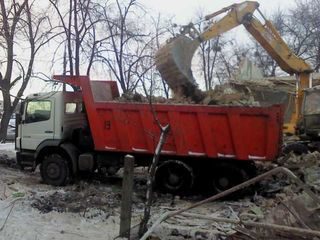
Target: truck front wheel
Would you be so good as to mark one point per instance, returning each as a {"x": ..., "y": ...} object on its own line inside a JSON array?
[{"x": 55, "y": 170}]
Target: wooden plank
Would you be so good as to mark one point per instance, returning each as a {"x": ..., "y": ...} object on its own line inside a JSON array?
[{"x": 126, "y": 201}]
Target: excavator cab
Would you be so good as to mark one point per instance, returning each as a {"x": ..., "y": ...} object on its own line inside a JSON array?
[{"x": 309, "y": 122}]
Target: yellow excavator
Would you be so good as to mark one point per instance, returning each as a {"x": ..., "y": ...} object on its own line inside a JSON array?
[{"x": 174, "y": 59}]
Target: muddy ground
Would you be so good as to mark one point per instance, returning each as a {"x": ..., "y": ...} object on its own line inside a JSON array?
[{"x": 90, "y": 208}]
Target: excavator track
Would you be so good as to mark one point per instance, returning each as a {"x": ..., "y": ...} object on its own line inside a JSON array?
[{"x": 173, "y": 61}]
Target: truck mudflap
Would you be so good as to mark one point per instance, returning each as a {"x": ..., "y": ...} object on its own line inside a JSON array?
[
  {"x": 25, "y": 159},
  {"x": 73, "y": 153}
]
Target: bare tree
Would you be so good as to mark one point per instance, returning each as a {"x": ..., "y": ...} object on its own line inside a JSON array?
[
  {"x": 79, "y": 24},
  {"x": 126, "y": 46},
  {"x": 300, "y": 28},
  {"x": 208, "y": 52},
  {"x": 164, "y": 130},
  {"x": 145, "y": 70},
  {"x": 159, "y": 32},
  {"x": 259, "y": 55},
  {"x": 303, "y": 30},
  {"x": 21, "y": 26}
]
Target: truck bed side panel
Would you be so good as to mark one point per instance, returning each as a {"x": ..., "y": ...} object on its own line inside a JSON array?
[{"x": 196, "y": 131}]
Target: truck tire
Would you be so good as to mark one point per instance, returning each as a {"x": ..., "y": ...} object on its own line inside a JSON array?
[
  {"x": 296, "y": 148},
  {"x": 226, "y": 176},
  {"x": 55, "y": 170},
  {"x": 174, "y": 177}
]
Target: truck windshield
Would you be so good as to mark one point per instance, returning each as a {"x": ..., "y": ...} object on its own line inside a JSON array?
[
  {"x": 38, "y": 111},
  {"x": 312, "y": 103}
]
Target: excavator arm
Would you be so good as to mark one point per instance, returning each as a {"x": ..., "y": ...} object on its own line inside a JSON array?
[
  {"x": 174, "y": 59},
  {"x": 265, "y": 34}
]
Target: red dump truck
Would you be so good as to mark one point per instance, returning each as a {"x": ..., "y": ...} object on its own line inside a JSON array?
[{"x": 88, "y": 130}]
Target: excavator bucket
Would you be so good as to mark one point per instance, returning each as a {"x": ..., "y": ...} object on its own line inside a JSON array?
[{"x": 173, "y": 61}]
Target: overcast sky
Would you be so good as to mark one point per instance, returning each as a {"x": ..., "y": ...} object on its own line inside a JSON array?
[{"x": 184, "y": 10}]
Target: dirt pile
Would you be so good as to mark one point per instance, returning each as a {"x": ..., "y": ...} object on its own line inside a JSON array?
[
  {"x": 80, "y": 199},
  {"x": 227, "y": 95},
  {"x": 220, "y": 95},
  {"x": 6, "y": 160},
  {"x": 139, "y": 98},
  {"x": 87, "y": 199}
]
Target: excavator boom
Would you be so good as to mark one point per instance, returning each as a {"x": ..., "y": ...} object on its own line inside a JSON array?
[{"x": 271, "y": 41}]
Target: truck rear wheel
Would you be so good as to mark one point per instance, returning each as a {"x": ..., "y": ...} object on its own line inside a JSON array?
[
  {"x": 174, "y": 177},
  {"x": 227, "y": 175},
  {"x": 55, "y": 170}
]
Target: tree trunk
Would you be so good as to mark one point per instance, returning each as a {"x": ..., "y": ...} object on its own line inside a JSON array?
[
  {"x": 4, "y": 125},
  {"x": 150, "y": 183}
]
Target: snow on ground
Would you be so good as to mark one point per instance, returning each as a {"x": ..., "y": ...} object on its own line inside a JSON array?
[
  {"x": 7, "y": 146},
  {"x": 85, "y": 210},
  {"x": 28, "y": 223},
  {"x": 8, "y": 149}
]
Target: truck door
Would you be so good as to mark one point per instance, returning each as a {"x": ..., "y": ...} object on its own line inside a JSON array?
[{"x": 37, "y": 124}]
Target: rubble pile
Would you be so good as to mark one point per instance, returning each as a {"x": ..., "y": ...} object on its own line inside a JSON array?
[
  {"x": 227, "y": 219},
  {"x": 227, "y": 95},
  {"x": 139, "y": 98},
  {"x": 277, "y": 201},
  {"x": 220, "y": 95},
  {"x": 94, "y": 199},
  {"x": 79, "y": 199},
  {"x": 306, "y": 166}
]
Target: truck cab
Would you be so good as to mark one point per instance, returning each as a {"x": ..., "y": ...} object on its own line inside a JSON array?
[
  {"x": 53, "y": 131},
  {"x": 47, "y": 121}
]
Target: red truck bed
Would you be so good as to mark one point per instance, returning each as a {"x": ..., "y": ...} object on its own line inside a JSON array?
[{"x": 243, "y": 133}]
